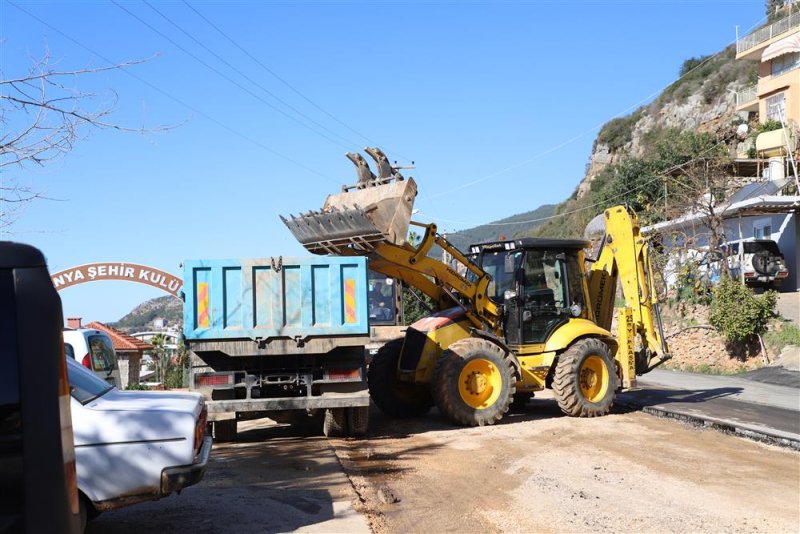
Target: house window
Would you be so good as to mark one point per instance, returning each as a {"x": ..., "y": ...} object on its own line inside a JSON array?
[
  {"x": 785, "y": 63},
  {"x": 776, "y": 107},
  {"x": 762, "y": 229}
]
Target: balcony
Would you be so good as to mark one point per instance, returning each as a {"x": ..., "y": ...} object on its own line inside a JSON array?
[
  {"x": 747, "y": 98},
  {"x": 762, "y": 35}
]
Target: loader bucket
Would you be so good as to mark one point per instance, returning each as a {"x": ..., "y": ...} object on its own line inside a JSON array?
[{"x": 358, "y": 219}]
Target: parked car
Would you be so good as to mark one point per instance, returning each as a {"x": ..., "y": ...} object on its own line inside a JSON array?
[
  {"x": 762, "y": 263},
  {"x": 133, "y": 446},
  {"x": 94, "y": 350}
]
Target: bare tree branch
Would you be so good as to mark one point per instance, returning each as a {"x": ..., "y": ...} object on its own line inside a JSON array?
[{"x": 41, "y": 119}]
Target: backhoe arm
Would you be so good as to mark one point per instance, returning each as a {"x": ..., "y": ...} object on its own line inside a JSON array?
[{"x": 624, "y": 257}]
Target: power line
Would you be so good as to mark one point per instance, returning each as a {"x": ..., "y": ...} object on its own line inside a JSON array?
[
  {"x": 226, "y": 77},
  {"x": 245, "y": 76},
  {"x": 580, "y": 135},
  {"x": 174, "y": 98},
  {"x": 283, "y": 81},
  {"x": 666, "y": 174}
]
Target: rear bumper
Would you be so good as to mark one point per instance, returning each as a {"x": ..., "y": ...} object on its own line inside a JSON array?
[
  {"x": 177, "y": 478},
  {"x": 326, "y": 400}
]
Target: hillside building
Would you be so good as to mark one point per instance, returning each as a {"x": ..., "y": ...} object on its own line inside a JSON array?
[{"x": 768, "y": 205}]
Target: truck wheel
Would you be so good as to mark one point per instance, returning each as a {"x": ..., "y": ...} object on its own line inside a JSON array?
[
  {"x": 393, "y": 397},
  {"x": 585, "y": 381},
  {"x": 473, "y": 382},
  {"x": 358, "y": 421},
  {"x": 225, "y": 430},
  {"x": 335, "y": 424}
]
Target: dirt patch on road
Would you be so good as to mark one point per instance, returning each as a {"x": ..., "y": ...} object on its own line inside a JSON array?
[{"x": 541, "y": 472}]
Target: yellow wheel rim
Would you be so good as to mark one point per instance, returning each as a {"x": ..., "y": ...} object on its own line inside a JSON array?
[
  {"x": 593, "y": 378},
  {"x": 480, "y": 383}
]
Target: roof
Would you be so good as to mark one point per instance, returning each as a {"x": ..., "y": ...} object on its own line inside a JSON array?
[
  {"x": 122, "y": 342},
  {"x": 748, "y": 207}
]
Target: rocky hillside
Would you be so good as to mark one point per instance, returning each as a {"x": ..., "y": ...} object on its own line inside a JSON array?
[
  {"x": 144, "y": 316},
  {"x": 700, "y": 101}
]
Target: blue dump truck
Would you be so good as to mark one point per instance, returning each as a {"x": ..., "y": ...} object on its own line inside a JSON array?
[{"x": 282, "y": 338}]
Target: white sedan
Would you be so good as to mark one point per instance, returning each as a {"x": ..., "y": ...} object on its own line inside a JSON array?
[{"x": 133, "y": 446}]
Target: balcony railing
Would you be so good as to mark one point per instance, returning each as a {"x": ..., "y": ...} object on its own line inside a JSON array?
[
  {"x": 768, "y": 32},
  {"x": 746, "y": 95}
]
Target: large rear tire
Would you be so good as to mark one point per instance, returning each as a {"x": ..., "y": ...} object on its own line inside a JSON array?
[
  {"x": 393, "y": 397},
  {"x": 473, "y": 382},
  {"x": 358, "y": 421},
  {"x": 585, "y": 379}
]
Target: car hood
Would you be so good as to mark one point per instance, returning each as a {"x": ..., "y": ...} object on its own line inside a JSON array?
[{"x": 149, "y": 401}]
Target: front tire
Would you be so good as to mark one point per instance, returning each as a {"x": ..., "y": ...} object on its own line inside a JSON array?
[
  {"x": 585, "y": 379},
  {"x": 393, "y": 397},
  {"x": 474, "y": 382}
]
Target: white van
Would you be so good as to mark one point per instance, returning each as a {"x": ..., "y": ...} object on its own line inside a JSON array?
[{"x": 94, "y": 350}]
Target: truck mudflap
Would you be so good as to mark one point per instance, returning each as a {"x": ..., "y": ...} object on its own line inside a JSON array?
[{"x": 326, "y": 400}]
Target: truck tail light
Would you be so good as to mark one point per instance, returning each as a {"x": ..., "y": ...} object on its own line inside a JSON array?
[
  {"x": 749, "y": 275},
  {"x": 782, "y": 274},
  {"x": 343, "y": 374},
  {"x": 213, "y": 379},
  {"x": 87, "y": 361}
]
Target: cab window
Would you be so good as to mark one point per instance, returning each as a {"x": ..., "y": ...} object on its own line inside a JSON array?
[{"x": 502, "y": 266}]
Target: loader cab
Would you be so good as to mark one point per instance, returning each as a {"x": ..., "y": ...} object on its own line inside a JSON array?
[{"x": 540, "y": 282}]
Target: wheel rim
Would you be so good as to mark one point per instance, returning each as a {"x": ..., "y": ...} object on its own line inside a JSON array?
[
  {"x": 480, "y": 383},
  {"x": 593, "y": 378}
]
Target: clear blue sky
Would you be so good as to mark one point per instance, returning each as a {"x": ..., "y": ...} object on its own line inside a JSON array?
[{"x": 464, "y": 89}]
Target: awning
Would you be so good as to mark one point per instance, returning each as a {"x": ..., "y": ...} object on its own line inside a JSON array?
[{"x": 787, "y": 45}]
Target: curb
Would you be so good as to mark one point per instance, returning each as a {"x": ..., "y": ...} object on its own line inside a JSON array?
[{"x": 753, "y": 432}]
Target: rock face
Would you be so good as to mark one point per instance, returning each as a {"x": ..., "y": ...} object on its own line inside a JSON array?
[{"x": 690, "y": 113}]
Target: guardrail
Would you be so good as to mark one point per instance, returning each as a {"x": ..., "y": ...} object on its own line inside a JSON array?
[
  {"x": 746, "y": 95},
  {"x": 768, "y": 32}
]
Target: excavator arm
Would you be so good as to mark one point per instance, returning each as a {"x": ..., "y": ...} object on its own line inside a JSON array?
[{"x": 624, "y": 257}]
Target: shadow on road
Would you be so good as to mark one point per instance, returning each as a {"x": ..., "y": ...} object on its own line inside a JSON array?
[
  {"x": 653, "y": 396},
  {"x": 273, "y": 479}
]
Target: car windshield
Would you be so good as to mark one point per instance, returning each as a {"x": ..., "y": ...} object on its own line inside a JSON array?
[
  {"x": 102, "y": 352},
  {"x": 753, "y": 247},
  {"x": 84, "y": 386}
]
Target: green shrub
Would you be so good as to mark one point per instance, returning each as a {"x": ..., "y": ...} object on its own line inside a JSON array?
[
  {"x": 737, "y": 313},
  {"x": 617, "y": 132},
  {"x": 789, "y": 334},
  {"x": 137, "y": 387},
  {"x": 690, "y": 286}
]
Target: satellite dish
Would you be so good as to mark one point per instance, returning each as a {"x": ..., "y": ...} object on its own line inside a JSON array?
[{"x": 741, "y": 131}]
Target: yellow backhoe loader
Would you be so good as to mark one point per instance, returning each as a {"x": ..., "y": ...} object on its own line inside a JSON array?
[{"x": 514, "y": 316}]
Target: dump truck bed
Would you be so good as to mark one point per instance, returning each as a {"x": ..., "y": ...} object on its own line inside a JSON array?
[{"x": 282, "y": 297}]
